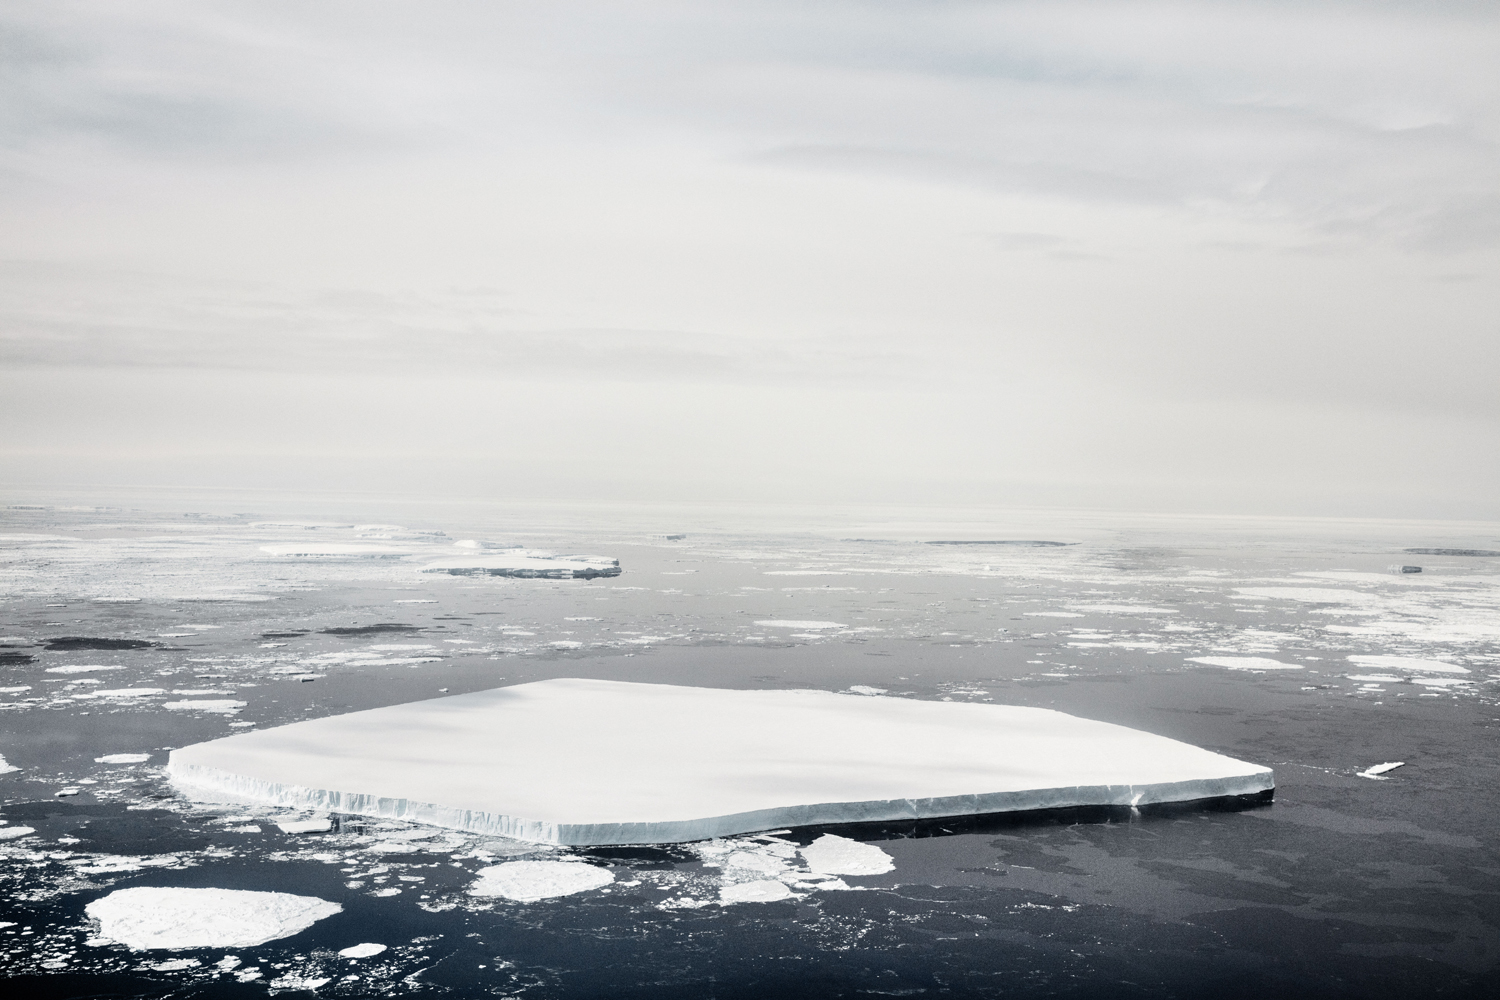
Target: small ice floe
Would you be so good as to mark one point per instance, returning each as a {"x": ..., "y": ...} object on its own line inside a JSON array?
[
  {"x": 222, "y": 706},
  {"x": 1379, "y": 769},
  {"x": 759, "y": 891},
  {"x": 1243, "y": 663},
  {"x": 318, "y": 824},
  {"x": 865, "y": 689},
  {"x": 5, "y": 767},
  {"x": 834, "y": 855},
  {"x": 367, "y": 950},
  {"x": 145, "y": 917},
  {"x": 127, "y": 693},
  {"x": 802, "y": 625},
  {"x": 15, "y": 832},
  {"x": 1407, "y": 663},
  {"x": 529, "y": 881},
  {"x": 123, "y": 758},
  {"x": 81, "y": 668}
]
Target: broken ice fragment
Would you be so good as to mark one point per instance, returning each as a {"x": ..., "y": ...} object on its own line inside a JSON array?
[
  {"x": 1379, "y": 769},
  {"x": 529, "y": 881}
]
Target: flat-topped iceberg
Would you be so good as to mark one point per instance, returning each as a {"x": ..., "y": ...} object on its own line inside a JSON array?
[
  {"x": 526, "y": 564},
  {"x": 583, "y": 762}
]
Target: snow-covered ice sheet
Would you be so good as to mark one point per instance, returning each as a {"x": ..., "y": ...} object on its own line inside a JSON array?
[
  {"x": 174, "y": 918},
  {"x": 573, "y": 761}
]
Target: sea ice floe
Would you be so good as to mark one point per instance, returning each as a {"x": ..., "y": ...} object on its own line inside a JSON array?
[
  {"x": 759, "y": 891},
  {"x": 6, "y": 767},
  {"x": 80, "y": 668},
  {"x": 1243, "y": 663},
  {"x": 15, "y": 832},
  {"x": 804, "y": 625},
  {"x": 1408, "y": 663},
  {"x": 223, "y": 706},
  {"x": 529, "y": 881},
  {"x": 123, "y": 758},
  {"x": 575, "y": 761},
  {"x": 147, "y": 917},
  {"x": 834, "y": 855},
  {"x": 316, "y": 825},
  {"x": 1379, "y": 769},
  {"x": 367, "y": 950}
]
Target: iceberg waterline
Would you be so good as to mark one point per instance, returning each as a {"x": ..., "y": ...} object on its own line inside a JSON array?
[{"x": 589, "y": 762}]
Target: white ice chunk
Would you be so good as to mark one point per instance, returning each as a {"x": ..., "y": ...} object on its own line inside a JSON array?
[
  {"x": 574, "y": 761},
  {"x": 123, "y": 758},
  {"x": 528, "y": 881},
  {"x": 128, "y": 692},
  {"x": 367, "y": 950},
  {"x": 80, "y": 668},
  {"x": 15, "y": 832},
  {"x": 1379, "y": 769},
  {"x": 806, "y": 626},
  {"x": 149, "y": 917},
  {"x": 1243, "y": 663},
  {"x": 224, "y": 706},
  {"x": 6, "y": 767},
  {"x": 834, "y": 855},
  {"x": 1408, "y": 663},
  {"x": 866, "y": 690},
  {"x": 762, "y": 891}
]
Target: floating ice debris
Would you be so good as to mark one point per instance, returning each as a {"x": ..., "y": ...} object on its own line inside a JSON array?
[
  {"x": 126, "y": 693},
  {"x": 1379, "y": 769},
  {"x": 528, "y": 881},
  {"x": 148, "y": 917},
  {"x": 15, "y": 832},
  {"x": 223, "y": 706},
  {"x": 1243, "y": 663},
  {"x": 367, "y": 950},
  {"x": 865, "y": 689},
  {"x": 526, "y": 564},
  {"x": 1454, "y": 552},
  {"x": 6, "y": 767},
  {"x": 834, "y": 855},
  {"x": 317, "y": 825},
  {"x": 761, "y": 891},
  {"x": 1408, "y": 663},
  {"x": 574, "y": 761},
  {"x": 806, "y": 626},
  {"x": 80, "y": 668},
  {"x": 123, "y": 758}
]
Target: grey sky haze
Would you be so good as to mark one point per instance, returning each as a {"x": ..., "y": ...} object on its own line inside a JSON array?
[{"x": 1220, "y": 256}]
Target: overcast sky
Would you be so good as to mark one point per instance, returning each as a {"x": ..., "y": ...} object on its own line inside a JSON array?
[{"x": 1212, "y": 256}]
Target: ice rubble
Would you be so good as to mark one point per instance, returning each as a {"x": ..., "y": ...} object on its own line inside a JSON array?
[
  {"x": 1243, "y": 663},
  {"x": 149, "y": 917},
  {"x": 526, "y": 564},
  {"x": 574, "y": 761}
]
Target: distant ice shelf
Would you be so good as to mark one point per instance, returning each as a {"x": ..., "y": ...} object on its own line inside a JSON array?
[
  {"x": 587, "y": 762},
  {"x": 525, "y": 564}
]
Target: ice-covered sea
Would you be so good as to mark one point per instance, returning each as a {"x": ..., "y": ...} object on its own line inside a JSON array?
[{"x": 130, "y": 629}]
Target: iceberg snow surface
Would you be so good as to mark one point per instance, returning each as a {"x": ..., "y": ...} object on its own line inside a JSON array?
[{"x": 582, "y": 762}]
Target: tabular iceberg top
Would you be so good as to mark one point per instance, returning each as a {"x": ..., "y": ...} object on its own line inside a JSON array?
[{"x": 577, "y": 761}]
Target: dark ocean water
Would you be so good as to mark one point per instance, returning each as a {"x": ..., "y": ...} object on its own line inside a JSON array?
[{"x": 1345, "y": 886}]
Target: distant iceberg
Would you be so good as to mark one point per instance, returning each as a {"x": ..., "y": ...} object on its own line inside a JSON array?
[
  {"x": 585, "y": 762},
  {"x": 526, "y": 564}
]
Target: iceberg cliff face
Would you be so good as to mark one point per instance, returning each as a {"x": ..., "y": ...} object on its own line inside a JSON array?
[{"x": 588, "y": 762}]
